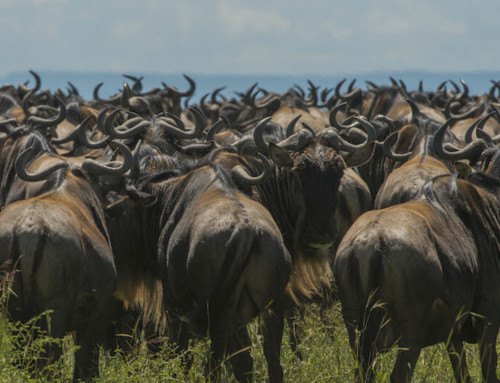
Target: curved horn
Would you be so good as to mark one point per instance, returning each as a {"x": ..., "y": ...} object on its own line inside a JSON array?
[
  {"x": 135, "y": 169},
  {"x": 338, "y": 143},
  {"x": 74, "y": 134},
  {"x": 290, "y": 129},
  {"x": 298, "y": 140},
  {"x": 252, "y": 99},
  {"x": 96, "y": 168},
  {"x": 126, "y": 95},
  {"x": 471, "y": 112},
  {"x": 258, "y": 135},
  {"x": 479, "y": 124},
  {"x": 441, "y": 86},
  {"x": 23, "y": 89},
  {"x": 337, "y": 88},
  {"x": 493, "y": 89},
  {"x": 390, "y": 122},
  {"x": 20, "y": 166},
  {"x": 240, "y": 174},
  {"x": 96, "y": 91},
  {"x": 38, "y": 82},
  {"x": 470, "y": 130},
  {"x": 215, "y": 93},
  {"x": 457, "y": 88},
  {"x": 81, "y": 132},
  {"x": 137, "y": 87},
  {"x": 372, "y": 84},
  {"x": 351, "y": 86},
  {"x": 73, "y": 89},
  {"x": 403, "y": 86},
  {"x": 332, "y": 117},
  {"x": 189, "y": 92},
  {"x": 387, "y": 147},
  {"x": 474, "y": 149},
  {"x": 313, "y": 94},
  {"x": 247, "y": 97},
  {"x": 307, "y": 127},
  {"x": 394, "y": 82},
  {"x": 421, "y": 86},
  {"x": 273, "y": 103},
  {"x": 45, "y": 123},
  {"x": 299, "y": 90},
  {"x": 108, "y": 120},
  {"x": 214, "y": 129},
  {"x": 350, "y": 94},
  {"x": 465, "y": 93},
  {"x": 415, "y": 111},
  {"x": 202, "y": 102},
  {"x": 371, "y": 132},
  {"x": 132, "y": 127},
  {"x": 179, "y": 131},
  {"x": 324, "y": 94},
  {"x": 101, "y": 119}
]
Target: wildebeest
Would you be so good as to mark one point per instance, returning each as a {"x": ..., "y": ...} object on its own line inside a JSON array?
[
  {"x": 59, "y": 243},
  {"x": 425, "y": 272},
  {"x": 218, "y": 254}
]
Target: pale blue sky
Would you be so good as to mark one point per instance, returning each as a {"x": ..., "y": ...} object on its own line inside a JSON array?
[{"x": 249, "y": 37}]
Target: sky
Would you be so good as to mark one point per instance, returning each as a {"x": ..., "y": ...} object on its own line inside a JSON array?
[{"x": 272, "y": 37}]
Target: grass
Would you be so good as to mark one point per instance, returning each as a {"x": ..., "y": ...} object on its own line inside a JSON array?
[{"x": 325, "y": 346}]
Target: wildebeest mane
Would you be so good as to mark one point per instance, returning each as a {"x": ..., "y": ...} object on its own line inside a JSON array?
[{"x": 474, "y": 201}]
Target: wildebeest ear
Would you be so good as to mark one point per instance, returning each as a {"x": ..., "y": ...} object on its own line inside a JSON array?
[
  {"x": 360, "y": 156},
  {"x": 133, "y": 196},
  {"x": 280, "y": 156},
  {"x": 141, "y": 198}
]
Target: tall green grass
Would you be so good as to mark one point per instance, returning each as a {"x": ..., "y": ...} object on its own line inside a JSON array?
[{"x": 325, "y": 346}]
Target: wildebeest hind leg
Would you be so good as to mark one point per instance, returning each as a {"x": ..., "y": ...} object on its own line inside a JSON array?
[
  {"x": 458, "y": 360},
  {"x": 88, "y": 338},
  {"x": 233, "y": 343},
  {"x": 488, "y": 352},
  {"x": 238, "y": 349},
  {"x": 272, "y": 329},
  {"x": 295, "y": 328},
  {"x": 54, "y": 325},
  {"x": 405, "y": 363}
]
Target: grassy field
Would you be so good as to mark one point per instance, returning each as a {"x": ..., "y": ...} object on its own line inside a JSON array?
[{"x": 327, "y": 358}]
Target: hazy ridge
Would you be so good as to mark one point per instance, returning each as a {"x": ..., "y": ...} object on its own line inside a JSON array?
[{"x": 85, "y": 82}]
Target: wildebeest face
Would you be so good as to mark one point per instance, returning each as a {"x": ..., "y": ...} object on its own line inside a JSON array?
[{"x": 318, "y": 168}]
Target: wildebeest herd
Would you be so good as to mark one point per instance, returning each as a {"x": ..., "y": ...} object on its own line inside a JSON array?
[{"x": 198, "y": 218}]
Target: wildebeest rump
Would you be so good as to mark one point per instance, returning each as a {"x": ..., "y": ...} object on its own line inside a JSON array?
[
  {"x": 425, "y": 272},
  {"x": 220, "y": 258},
  {"x": 59, "y": 243}
]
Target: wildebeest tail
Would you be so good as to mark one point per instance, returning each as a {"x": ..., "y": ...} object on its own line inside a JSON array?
[
  {"x": 239, "y": 251},
  {"x": 373, "y": 312},
  {"x": 25, "y": 256}
]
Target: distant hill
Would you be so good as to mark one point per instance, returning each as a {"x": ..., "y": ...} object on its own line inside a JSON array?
[{"x": 479, "y": 82}]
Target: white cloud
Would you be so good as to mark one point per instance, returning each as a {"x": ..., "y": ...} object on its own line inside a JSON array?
[
  {"x": 127, "y": 29},
  {"x": 46, "y": 2},
  {"x": 253, "y": 54},
  {"x": 241, "y": 19},
  {"x": 399, "y": 19}
]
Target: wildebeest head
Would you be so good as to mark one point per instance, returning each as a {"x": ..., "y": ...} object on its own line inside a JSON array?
[{"x": 306, "y": 183}]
